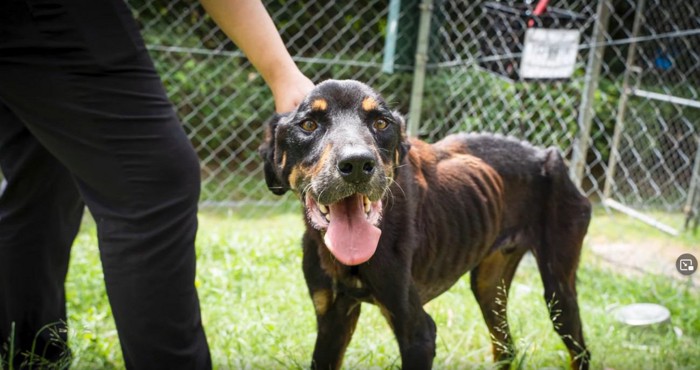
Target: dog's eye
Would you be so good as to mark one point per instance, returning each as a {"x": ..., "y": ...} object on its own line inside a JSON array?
[
  {"x": 309, "y": 126},
  {"x": 380, "y": 125}
]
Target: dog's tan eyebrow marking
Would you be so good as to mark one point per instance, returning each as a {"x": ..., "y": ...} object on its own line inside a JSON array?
[
  {"x": 319, "y": 104},
  {"x": 369, "y": 103}
]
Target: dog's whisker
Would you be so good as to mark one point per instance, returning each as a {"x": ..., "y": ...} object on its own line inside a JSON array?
[{"x": 394, "y": 182}]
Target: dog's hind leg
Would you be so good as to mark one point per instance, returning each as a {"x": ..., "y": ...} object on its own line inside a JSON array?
[
  {"x": 566, "y": 218},
  {"x": 559, "y": 279},
  {"x": 490, "y": 282}
]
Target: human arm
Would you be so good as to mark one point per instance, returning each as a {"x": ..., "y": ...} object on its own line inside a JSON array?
[{"x": 249, "y": 26}]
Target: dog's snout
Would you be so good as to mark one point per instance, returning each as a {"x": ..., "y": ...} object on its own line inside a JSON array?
[{"x": 357, "y": 165}]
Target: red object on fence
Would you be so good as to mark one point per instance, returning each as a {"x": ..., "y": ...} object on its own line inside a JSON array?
[{"x": 539, "y": 9}]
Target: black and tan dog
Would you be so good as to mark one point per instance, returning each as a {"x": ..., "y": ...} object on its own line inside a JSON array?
[{"x": 395, "y": 222}]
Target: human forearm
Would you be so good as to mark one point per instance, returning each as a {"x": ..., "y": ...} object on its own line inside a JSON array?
[{"x": 248, "y": 24}]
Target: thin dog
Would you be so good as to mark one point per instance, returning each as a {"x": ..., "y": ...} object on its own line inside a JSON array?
[{"x": 396, "y": 222}]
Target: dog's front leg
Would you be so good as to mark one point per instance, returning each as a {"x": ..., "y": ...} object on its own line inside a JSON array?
[
  {"x": 335, "y": 328},
  {"x": 336, "y": 312},
  {"x": 414, "y": 329}
]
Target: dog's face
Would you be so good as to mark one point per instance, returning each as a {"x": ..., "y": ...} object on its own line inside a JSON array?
[{"x": 338, "y": 152}]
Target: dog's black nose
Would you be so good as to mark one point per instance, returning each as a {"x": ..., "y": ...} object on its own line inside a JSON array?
[{"x": 356, "y": 165}]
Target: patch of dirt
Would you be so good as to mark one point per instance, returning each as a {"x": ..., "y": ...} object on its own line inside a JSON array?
[{"x": 634, "y": 258}]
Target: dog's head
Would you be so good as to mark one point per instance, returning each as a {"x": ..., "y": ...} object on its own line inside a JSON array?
[{"x": 338, "y": 152}]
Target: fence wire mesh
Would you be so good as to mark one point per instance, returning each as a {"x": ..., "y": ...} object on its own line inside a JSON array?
[{"x": 640, "y": 147}]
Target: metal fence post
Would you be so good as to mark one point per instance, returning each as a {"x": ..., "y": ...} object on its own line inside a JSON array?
[
  {"x": 692, "y": 205},
  {"x": 585, "y": 115},
  {"x": 426, "y": 8},
  {"x": 391, "y": 36},
  {"x": 622, "y": 104}
]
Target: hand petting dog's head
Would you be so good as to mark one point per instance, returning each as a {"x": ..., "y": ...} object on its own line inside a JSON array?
[{"x": 338, "y": 151}]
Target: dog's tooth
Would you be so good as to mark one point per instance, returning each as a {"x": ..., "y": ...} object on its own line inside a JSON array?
[
  {"x": 328, "y": 217},
  {"x": 323, "y": 208},
  {"x": 367, "y": 204}
]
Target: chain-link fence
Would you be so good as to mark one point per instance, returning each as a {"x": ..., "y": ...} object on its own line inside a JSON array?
[{"x": 627, "y": 120}]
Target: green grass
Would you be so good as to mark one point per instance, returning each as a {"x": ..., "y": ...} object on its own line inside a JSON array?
[
  {"x": 258, "y": 315},
  {"x": 617, "y": 226}
]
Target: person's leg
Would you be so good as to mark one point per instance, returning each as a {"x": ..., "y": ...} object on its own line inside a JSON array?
[
  {"x": 40, "y": 212},
  {"x": 97, "y": 104}
]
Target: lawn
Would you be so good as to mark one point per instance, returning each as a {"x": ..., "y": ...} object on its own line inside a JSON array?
[{"x": 258, "y": 315}]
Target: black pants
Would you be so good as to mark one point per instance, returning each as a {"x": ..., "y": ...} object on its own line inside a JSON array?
[{"x": 84, "y": 120}]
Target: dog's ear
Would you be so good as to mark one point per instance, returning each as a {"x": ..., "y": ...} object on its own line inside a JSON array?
[
  {"x": 273, "y": 178},
  {"x": 404, "y": 144}
]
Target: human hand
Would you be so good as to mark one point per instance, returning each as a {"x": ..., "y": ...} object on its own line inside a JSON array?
[{"x": 289, "y": 92}]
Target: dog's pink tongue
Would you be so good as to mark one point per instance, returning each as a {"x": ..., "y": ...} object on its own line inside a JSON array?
[{"x": 350, "y": 237}]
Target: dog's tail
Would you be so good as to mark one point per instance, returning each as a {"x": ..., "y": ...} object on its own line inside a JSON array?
[
  {"x": 557, "y": 172},
  {"x": 563, "y": 189},
  {"x": 567, "y": 212}
]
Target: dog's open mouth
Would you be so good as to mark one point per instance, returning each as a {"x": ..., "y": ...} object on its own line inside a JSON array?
[{"x": 350, "y": 224}]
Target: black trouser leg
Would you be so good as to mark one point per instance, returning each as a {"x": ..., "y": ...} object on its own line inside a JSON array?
[
  {"x": 96, "y": 104},
  {"x": 40, "y": 212}
]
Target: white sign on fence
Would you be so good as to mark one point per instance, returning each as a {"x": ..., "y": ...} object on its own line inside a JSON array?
[{"x": 549, "y": 53}]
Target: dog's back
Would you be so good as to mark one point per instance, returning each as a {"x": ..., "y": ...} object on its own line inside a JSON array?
[
  {"x": 543, "y": 205},
  {"x": 535, "y": 176},
  {"x": 536, "y": 187}
]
